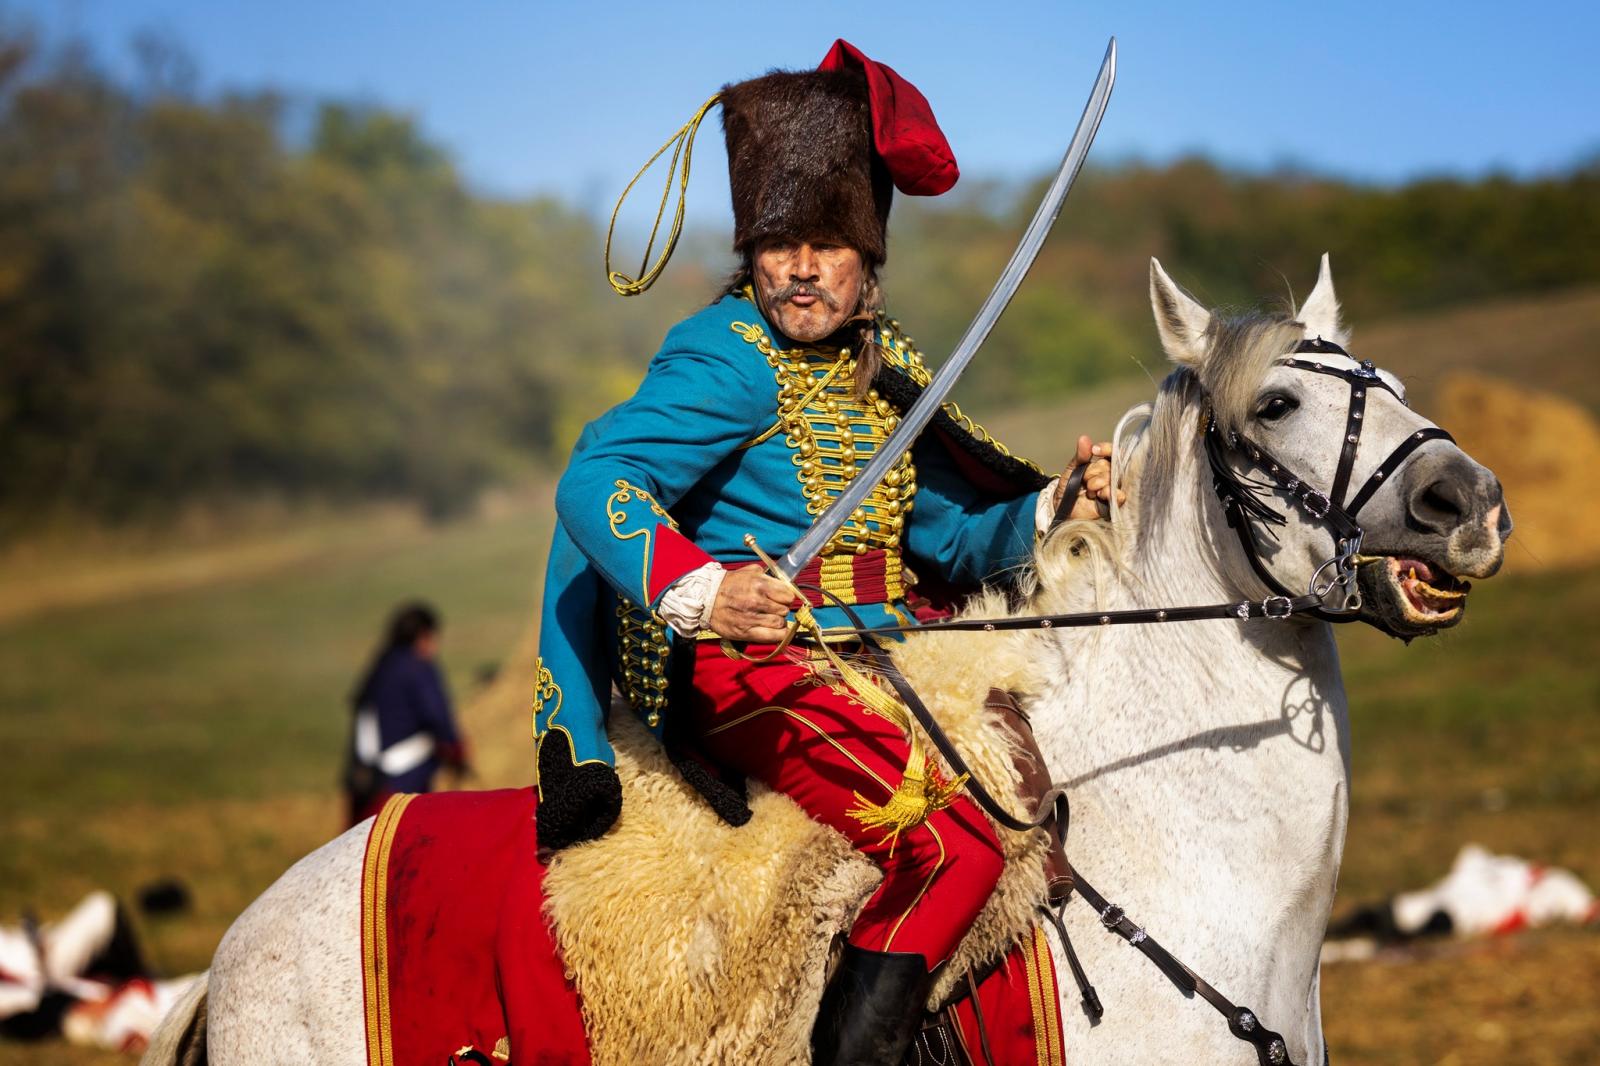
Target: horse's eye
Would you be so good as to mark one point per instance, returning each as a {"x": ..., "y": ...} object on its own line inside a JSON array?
[{"x": 1275, "y": 407}]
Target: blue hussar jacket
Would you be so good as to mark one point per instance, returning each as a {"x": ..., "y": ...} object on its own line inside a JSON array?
[{"x": 734, "y": 431}]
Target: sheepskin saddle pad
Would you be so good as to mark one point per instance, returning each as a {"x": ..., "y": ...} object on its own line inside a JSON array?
[{"x": 691, "y": 941}]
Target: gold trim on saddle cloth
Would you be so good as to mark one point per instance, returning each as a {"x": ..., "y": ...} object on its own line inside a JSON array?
[
  {"x": 822, "y": 734},
  {"x": 375, "y": 929},
  {"x": 1042, "y": 996}
]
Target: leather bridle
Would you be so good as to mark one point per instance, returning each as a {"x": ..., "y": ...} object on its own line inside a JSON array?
[
  {"x": 1245, "y": 507},
  {"x": 1242, "y": 497}
]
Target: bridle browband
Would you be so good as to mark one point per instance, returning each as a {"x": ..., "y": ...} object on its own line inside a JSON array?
[{"x": 1244, "y": 504}]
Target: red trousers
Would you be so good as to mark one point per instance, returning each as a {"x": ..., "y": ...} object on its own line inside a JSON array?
[{"x": 778, "y": 723}]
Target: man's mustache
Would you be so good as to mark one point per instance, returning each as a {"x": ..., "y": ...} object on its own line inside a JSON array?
[{"x": 805, "y": 288}]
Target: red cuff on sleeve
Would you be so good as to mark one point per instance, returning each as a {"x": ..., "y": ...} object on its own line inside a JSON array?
[{"x": 672, "y": 555}]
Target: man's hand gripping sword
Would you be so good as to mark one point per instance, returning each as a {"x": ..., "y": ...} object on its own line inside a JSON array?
[{"x": 923, "y": 789}]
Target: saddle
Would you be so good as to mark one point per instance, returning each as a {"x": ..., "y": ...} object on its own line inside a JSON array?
[
  {"x": 690, "y": 940},
  {"x": 1033, "y": 782}
]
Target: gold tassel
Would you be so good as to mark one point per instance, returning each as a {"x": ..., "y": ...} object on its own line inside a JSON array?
[
  {"x": 922, "y": 790},
  {"x": 921, "y": 793}
]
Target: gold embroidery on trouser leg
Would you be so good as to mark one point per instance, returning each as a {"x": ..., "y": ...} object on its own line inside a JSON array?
[
  {"x": 923, "y": 789},
  {"x": 894, "y": 930}
]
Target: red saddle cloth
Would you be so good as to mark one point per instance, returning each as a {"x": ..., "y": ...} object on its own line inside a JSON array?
[
  {"x": 1016, "y": 1021},
  {"x": 459, "y": 965}
]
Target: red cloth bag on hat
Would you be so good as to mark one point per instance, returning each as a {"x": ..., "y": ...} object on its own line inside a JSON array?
[{"x": 904, "y": 131}]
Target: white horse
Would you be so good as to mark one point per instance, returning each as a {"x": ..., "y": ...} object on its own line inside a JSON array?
[{"x": 1208, "y": 762}]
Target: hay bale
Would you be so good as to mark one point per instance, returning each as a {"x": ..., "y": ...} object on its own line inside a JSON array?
[
  {"x": 499, "y": 720},
  {"x": 1545, "y": 450}
]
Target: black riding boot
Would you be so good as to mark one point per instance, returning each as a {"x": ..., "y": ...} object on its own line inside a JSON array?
[{"x": 871, "y": 1009}]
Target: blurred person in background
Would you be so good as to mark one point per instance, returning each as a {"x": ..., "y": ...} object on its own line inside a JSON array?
[{"x": 404, "y": 731}]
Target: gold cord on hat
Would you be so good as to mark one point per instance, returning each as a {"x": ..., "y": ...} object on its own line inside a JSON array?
[{"x": 682, "y": 145}]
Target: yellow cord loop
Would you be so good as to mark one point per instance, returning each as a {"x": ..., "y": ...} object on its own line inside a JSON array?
[
  {"x": 922, "y": 790},
  {"x": 682, "y": 145}
]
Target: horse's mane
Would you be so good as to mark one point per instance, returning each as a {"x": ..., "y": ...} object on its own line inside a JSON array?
[{"x": 1074, "y": 563}]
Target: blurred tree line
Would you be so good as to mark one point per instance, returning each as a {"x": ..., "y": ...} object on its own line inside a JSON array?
[
  {"x": 196, "y": 306},
  {"x": 203, "y": 298}
]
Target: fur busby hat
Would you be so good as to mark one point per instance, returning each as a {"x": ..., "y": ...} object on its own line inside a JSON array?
[{"x": 819, "y": 153}]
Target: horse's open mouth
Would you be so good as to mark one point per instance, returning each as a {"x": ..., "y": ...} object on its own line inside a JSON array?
[{"x": 1421, "y": 594}]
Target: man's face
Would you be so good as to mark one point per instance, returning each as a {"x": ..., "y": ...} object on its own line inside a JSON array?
[{"x": 807, "y": 288}]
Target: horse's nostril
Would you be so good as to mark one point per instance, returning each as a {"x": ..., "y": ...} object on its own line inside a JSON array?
[{"x": 1441, "y": 506}]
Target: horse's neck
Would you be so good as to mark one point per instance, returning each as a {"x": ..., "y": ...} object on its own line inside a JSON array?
[{"x": 1207, "y": 764}]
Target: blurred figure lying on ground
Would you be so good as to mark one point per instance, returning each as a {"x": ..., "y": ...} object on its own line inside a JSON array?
[
  {"x": 82, "y": 977},
  {"x": 1483, "y": 895},
  {"x": 404, "y": 731}
]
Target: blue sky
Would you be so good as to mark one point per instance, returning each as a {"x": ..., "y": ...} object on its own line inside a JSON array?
[{"x": 531, "y": 96}]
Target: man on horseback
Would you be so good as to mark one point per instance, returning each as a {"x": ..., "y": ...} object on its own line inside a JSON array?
[{"x": 752, "y": 417}]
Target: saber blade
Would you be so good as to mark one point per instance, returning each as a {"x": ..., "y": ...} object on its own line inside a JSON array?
[{"x": 915, "y": 419}]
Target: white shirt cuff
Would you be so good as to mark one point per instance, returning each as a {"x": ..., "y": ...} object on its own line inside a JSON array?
[
  {"x": 686, "y": 605},
  {"x": 1044, "y": 511}
]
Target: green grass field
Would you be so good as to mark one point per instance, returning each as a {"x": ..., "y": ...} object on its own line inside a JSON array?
[
  {"x": 197, "y": 732},
  {"x": 194, "y": 727}
]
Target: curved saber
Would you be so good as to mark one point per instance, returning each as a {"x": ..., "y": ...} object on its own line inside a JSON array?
[{"x": 912, "y": 424}]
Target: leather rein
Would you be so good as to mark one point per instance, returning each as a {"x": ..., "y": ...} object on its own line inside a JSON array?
[{"x": 1243, "y": 500}]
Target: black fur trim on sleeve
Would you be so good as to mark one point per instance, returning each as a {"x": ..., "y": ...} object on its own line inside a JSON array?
[
  {"x": 727, "y": 800},
  {"x": 577, "y": 802},
  {"x": 1008, "y": 470}
]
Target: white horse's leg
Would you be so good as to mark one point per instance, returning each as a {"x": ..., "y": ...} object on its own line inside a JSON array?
[{"x": 285, "y": 984}]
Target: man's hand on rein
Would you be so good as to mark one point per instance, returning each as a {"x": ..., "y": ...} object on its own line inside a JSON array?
[
  {"x": 752, "y": 605},
  {"x": 1095, "y": 496}
]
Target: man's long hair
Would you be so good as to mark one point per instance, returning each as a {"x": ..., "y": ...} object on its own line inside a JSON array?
[{"x": 869, "y": 353}]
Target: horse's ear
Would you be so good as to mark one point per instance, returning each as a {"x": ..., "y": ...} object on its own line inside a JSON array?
[
  {"x": 1320, "y": 312},
  {"x": 1181, "y": 322}
]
